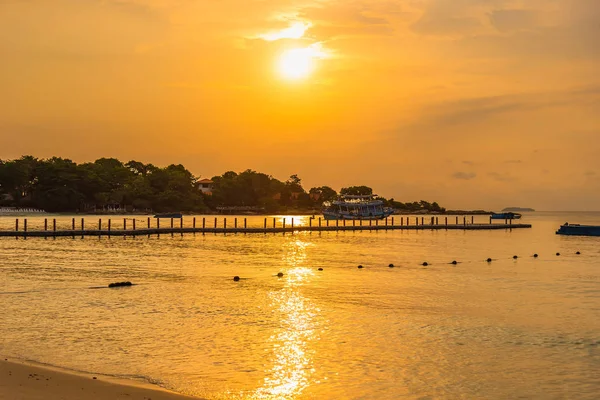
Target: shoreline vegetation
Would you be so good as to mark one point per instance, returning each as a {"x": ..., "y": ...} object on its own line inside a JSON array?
[{"x": 108, "y": 186}]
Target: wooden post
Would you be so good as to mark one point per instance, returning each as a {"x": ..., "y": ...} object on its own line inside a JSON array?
[
  {"x": 360, "y": 222},
  {"x": 148, "y": 222},
  {"x": 327, "y": 222},
  {"x": 337, "y": 222},
  {"x": 376, "y": 222},
  {"x": 283, "y": 223},
  {"x": 54, "y": 224},
  {"x": 181, "y": 223},
  {"x": 124, "y": 224},
  {"x": 224, "y": 223},
  {"x": 422, "y": 220},
  {"x": 82, "y": 224},
  {"x": 417, "y": 221},
  {"x": 392, "y": 221},
  {"x": 490, "y": 219},
  {"x": 386, "y": 218},
  {"x": 109, "y": 224},
  {"x": 133, "y": 223},
  {"x": 157, "y": 223},
  {"x": 203, "y": 223},
  {"x": 99, "y": 224},
  {"x": 274, "y": 223},
  {"x": 457, "y": 220},
  {"x": 319, "y": 222},
  {"x": 370, "y": 222},
  {"x": 215, "y": 223},
  {"x": 344, "y": 222},
  {"x": 194, "y": 223},
  {"x": 245, "y": 223},
  {"x": 17, "y": 225},
  {"x": 25, "y": 225},
  {"x": 465, "y": 221},
  {"x": 265, "y": 224},
  {"x": 45, "y": 224},
  {"x": 353, "y": 222},
  {"x": 73, "y": 224},
  {"x": 292, "y": 223},
  {"x": 171, "y": 223},
  {"x": 310, "y": 222},
  {"x": 472, "y": 220},
  {"x": 446, "y": 221},
  {"x": 402, "y": 221},
  {"x": 235, "y": 223}
]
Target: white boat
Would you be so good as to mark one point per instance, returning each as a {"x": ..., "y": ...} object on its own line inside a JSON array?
[{"x": 356, "y": 207}]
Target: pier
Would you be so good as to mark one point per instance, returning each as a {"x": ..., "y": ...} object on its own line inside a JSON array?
[{"x": 108, "y": 227}]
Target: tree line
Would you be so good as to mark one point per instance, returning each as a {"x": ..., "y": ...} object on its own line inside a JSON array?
[{"x": 61, "y": 185}]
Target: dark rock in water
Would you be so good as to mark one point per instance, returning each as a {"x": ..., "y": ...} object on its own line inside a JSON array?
[
  {"x": 558, "y": 254},
  {"x": 391, "y": 265},
  {"x": 360, "y": 267},
  {"x": 280, "y": 275},
  {"x": 578, "y": 253},
  {"x": 425, "y": 264},
  {"x": 535, "y": 255},
  {"x": 489, "y": 260},
  {"x": 515, "y": 257},
  {"x": 454, "y": 262},
  {"x": 320, "y": 269},
  {"x": 120, "y": 284},
  {"x": 236, "y": 278}
]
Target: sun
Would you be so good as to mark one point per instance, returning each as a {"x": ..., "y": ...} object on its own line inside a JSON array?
[{"x": 299, "y": 63}]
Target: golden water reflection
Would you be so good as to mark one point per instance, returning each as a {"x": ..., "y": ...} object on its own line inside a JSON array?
[{"x": 291, "y": 356}]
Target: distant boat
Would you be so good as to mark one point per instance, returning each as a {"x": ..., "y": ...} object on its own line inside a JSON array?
[
  {"x": 578, "y": 230},
  {"x": 506, "y": 215},
  {"x": 356, "y": 207},
  {"x": 169, "y": 215}
]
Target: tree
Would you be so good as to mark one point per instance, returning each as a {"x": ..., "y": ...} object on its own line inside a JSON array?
[{"x": 356, "y": 191}]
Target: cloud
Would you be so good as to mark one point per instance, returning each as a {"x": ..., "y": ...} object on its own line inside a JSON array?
[
  {"x": 464, "y": 175},
  {"x": 511, "y": 20}
]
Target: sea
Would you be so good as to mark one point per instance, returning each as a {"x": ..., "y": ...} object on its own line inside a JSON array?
[{"x": 525, "y": 327}]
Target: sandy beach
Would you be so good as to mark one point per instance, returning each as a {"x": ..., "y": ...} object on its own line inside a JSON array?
[{"x": 22, "y": 381}]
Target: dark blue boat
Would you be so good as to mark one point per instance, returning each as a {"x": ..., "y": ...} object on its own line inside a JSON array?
[
  {"x": 506, "y": 215},
  {"x": 578, "y": 230}
]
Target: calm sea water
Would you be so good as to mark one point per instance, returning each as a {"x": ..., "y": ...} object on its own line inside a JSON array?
[{"x": 524, "y": 328}]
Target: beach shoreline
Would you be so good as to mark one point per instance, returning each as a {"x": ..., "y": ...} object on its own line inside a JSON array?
[{"x": 20, "y": 380}]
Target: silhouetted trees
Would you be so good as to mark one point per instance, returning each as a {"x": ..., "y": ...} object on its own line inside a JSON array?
[{"x": 61, "y": 185}]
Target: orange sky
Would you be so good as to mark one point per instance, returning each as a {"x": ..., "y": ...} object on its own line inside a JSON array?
[{"x": 471, "y": 103}]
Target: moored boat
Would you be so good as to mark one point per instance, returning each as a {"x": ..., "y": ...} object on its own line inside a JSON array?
[
  {"x": 578, "y": 230},
  {"x": 356, "y": 207},
  {"x": 506, "y": 215},
  {"x": 169, "y": 215}
]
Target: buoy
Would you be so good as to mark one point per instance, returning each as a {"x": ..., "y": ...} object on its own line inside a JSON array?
[
  {"x": 515, "y": 257},
  {"x": 558, "y": 254},
  {"x": 320, "y": 269},
  {"x": 489, "y": 260},
  {"x": 454, "y": 262},
  {"x": 391, "y": 265},
  {"x": 535, "y": 255},
  {"x": 578, "y": 253},
  {"x": 280, "y": 274},
  {"x": 236, "y": 278},
  {"x": 360, "y": 266},
  {"x": 425, "y": 264}
]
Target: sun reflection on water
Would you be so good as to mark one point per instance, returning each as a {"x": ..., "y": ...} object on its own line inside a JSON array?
[{"x": 291, "y": 359}]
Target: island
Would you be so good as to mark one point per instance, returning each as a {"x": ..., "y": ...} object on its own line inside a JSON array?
[{"x": 518, "y": 209}]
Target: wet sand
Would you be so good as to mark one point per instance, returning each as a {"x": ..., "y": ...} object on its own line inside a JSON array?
[{"x": 22, "y": 381}]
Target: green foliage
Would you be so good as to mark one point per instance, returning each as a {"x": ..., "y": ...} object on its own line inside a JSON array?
[{"x": 58, "y": 184}]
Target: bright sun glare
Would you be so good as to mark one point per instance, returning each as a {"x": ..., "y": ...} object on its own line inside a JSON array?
[{"x": 299, "y": 63}]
